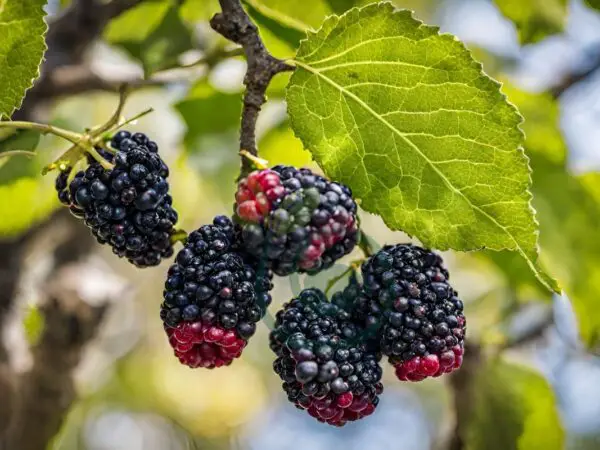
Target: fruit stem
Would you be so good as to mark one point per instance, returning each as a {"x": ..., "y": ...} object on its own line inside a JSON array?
[
  {"x": 353, "y": 267},
  {"x": 365, "y": 245},
  {"x": 179, "y": 236},
  {"x": 260, "y": 163},
  {"x": 72, "y": 174},
  {"x": 102, "y": 143},
  {"x": 94, "y": 154},
  {"x": 117, "y": 126},
  {"x": 43, "y": 129},
  {"x": 269, "y": 320}
]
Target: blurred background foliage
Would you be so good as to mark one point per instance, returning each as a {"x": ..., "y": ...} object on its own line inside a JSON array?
[{"x": 544, "y": 394}]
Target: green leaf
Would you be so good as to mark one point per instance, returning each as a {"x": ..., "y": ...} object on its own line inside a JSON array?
[
  {"x": 152, "y": 33},
  {"x": 22, "y": 46},
  {"x": 208, "y": 111},
  {"x": 273, "y": 26},
  {"x": 36, "y": 193},
  {"x": 198, "y": 10},
  {"x": 535, "y": 19},
  {"x": 280, "y": 146},
  {"x": 409, "y": 121},
  {"x": 137, "y": 24},
  {"x": 514, "y": 409},
  {"x": 13, "y": 168},
  {"x": 33, "y": 323},
  {"x": 593, "y": 4},
  {"x": 288, "y": 20}
]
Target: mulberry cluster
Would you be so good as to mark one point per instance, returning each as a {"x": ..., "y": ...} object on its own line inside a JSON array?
[
  {"x": 327, "y": 368},
  {"x": 128, "y": 207},
  {"x": 295, "y": 219},
  {"x": 414, "y": 311},
  {"x": 213, "y": 297}
]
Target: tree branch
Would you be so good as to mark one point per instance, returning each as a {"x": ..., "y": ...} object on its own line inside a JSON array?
[
  {"x": 47, "y": 390},
  {"x": 73, "y": 80},
  {"x": 71, "y": 33},
  {"x": 462, "y": 382},
  {"x": 574, "y": 78},
  {"x": 234, "y": 24}
]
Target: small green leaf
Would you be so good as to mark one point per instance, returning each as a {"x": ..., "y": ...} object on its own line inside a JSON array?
[
  {"x": 39, "y": 196},
  {"x": 288, "y": 20},
  {"x": 409, "y": 121},
  {"x": 280, "y": 146},
  {"x": 137, "y": 24},
  {"x": 22, "y": 46},
  {"x": 593, "y": 4},
  {"x": 152, "y": 33},
  {"x": 208, "y": 111},
  {"x": 198, "y": 10},
  {"x": 341, "y": 6},
  {"x": 13, "y": 168},
  {"x": 283, "y": 27},
  {"x": 535, "y": 19},
  {"x": 514, "y": 408},
  {"x": 33, "y": 323}
]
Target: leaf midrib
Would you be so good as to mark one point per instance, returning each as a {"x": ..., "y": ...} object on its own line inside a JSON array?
[{"x": 411, "y": 144}]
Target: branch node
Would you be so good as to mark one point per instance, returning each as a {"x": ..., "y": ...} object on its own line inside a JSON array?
[{"x": 234, "y": 24}]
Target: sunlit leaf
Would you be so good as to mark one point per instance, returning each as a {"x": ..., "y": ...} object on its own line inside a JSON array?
[
  {"x": 424, "y": 138},
  {"x": 208, "y": 111},
  {"x": 288, "y": 20},
  {"x": 152, "y": 33},
  {"x": 197, "y": 10},
  {"x": 33, "y": 323},
  {"x": 535, "y": 19},
  {"x": 22, "y": 46},
  {"x": 279, "y": 26},
  {"x": 514, "y": 409},
  {"x": 36, "y": 193},
  {"x": 280, "y": 146}
]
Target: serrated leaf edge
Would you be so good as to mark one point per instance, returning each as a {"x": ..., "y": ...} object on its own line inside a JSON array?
[
  {"x": 38, "y": 71},
  {"x": 331, "y": 22}
]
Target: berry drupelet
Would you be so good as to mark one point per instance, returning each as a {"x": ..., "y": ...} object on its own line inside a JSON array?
[
  {"x": 213, "y": 297},
  {"x": 127, "y": 207},
  {"x": 327, "y": 368},
  {"x": 419, "y": 317},
  {"x": 297, "y": 220}
]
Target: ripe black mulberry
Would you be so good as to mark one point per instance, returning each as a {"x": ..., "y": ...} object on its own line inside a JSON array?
[
  {"x": 214, "y": 296},
  {"x": 295, "y": 219},
  {"x": 128, "y": 207},
  {"x": 417, "y": 314},
  {"x": 327, "y": 367}
]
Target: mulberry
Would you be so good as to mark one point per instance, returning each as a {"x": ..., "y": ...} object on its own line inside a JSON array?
[
  {"x": 417, "y": 314},
  {"x": 127, "y": 207},
  {"x": 327, "y": 368},
  {"x": 295, "y": 219},
  {"x": 214, "y": 296}
]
